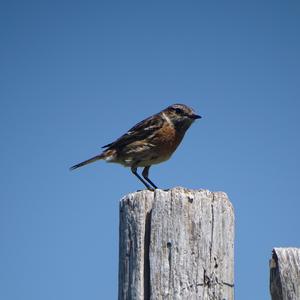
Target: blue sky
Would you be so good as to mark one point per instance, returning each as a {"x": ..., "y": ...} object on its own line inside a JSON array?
[{"x": 77, "y": 74}]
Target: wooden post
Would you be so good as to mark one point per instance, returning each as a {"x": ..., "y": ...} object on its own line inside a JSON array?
[
  {"x": 176, "y": 244},
  {"x": 285, "y": 274}
]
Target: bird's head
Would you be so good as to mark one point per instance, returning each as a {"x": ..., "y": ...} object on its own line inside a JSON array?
[{"x": 181, "y": 115}]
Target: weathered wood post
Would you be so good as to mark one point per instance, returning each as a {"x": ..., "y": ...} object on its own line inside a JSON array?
[
  {"x": 285, "y": 274},
  {"x": 176, "y": 244}
]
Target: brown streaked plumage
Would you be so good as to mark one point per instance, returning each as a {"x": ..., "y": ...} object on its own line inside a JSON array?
[{"x": 149, "y": 142}]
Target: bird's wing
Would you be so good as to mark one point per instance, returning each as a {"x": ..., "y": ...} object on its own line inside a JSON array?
[{"x": 140, "y": 131}]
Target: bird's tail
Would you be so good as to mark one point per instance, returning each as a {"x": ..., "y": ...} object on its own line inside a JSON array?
[{"x": 95, "y": 158}]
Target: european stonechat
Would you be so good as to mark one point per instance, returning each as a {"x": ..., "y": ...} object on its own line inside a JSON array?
[{"x": 149, "y": 142}]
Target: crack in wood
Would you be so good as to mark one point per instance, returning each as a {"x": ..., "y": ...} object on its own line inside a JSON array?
[
  {"x": 169, "y": 246},
  {"x": 228, "y": 284},
  {"x": 147, "y": 240},
  {"x": 212, "y": 227}
]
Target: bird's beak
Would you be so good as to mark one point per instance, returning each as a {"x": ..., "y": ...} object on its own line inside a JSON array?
[{"x": 195, "y": 117}]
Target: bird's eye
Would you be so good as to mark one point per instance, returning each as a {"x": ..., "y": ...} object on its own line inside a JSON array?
[{"x": 178, "y": 111}]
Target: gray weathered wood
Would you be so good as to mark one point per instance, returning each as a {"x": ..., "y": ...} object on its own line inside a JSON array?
[
  {"x": 176, "y": 244},
  {"x": 285, "y": 274}
]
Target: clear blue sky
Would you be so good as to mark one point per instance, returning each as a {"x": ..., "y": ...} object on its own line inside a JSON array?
[{"x": 77, "y": 74}]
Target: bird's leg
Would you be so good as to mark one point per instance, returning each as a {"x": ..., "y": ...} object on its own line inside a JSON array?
[
  {"x": 145, "y": 174},
  {"x": 134, "y": 171}
]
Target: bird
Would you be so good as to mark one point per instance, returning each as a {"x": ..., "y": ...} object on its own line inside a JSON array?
[{"x": 149, "y": 142}]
